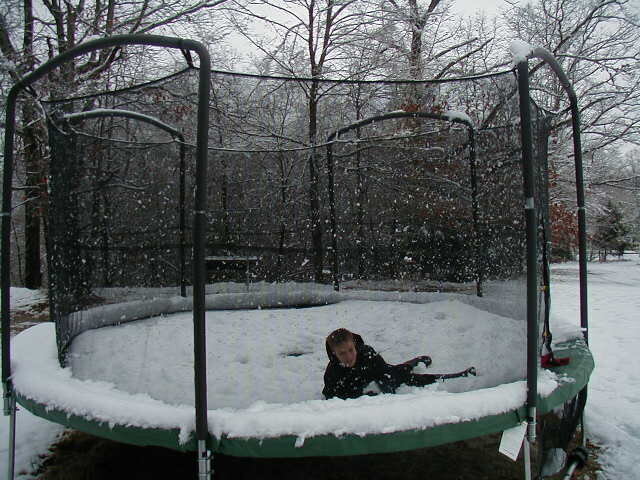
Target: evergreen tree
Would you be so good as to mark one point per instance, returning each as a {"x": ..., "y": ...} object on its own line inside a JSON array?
[{"x": 611, "y": 231}]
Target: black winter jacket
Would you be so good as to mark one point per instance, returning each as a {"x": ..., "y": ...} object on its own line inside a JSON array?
[{"x": 350, "y": 382}]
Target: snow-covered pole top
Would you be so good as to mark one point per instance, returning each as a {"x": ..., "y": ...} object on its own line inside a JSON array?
[
  {"x": 460, "y": 117},
  {"x": 520, "y": 51}
]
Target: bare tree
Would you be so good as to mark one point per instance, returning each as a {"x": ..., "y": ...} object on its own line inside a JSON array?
[
  {"x": 56, "y": 27},
  {"x": 596, "y": 43},
  {"x": 308, "y": 39},
  {"x": 426, "y": 41}
]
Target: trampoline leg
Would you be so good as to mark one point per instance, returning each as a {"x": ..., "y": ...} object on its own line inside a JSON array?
[
  {"x": 10, "y": 409},
  {"x": 204, "y": 461},
  {"x": 527, "y": 460}
]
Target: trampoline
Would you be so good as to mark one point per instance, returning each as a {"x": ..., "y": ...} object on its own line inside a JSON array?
[
  {"x": 412, "y": 418},
  {"x": 226, "y": 374}
]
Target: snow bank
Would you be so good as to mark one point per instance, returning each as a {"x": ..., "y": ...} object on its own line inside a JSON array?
[
  {"x": 25, "y": 298},
  {"x": 34, "y": 435}
]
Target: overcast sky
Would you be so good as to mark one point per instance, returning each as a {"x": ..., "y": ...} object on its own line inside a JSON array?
[
  {"x": 470, "y": 6},
  {"x": 463, "y": 7}
]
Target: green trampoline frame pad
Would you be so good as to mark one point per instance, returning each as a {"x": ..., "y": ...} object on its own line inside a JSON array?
[{"x": 577, "y": 374}]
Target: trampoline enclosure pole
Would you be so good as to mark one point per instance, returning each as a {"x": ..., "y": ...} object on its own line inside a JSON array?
[
  {"x": 199, "y": 273},
  {"x": 551, "y": 61},
  {"x": 11, "y": 451},
  {"x": 475, "y": 209},
  {"x": 332, "y": 216},
  {"x": 9, "y": 399},
  {"x": 532, "y": 253},
  {"x": 527, "y": 460},
  {"x": 5, "y": 255}
]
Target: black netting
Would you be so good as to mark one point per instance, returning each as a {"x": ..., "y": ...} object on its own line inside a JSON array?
[
  {"x": 424, "y": 200},
  {"x": 404, "y": 202},
  {"x": 557, "y": 431},
  {"x": 119, "y": 216},
  {"x": 258, "y": 208}
]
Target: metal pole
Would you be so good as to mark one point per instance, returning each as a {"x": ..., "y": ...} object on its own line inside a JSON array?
[
  {"x": 246, "y": 273},
  {"x": 577, "y": 460},
  {"x": 532, "y": 251},
  {"x": 9, "y": 400},
  {"x": 582, "y": 221},
  {"x": 181, "y": 218},
  {"x": 527, "y": 460},
  {"x": 548, "y": 57},
  {"x": 5, "y": 255},
  {"x": 10, "y": 409},
  {"x": 199, "y": 270},
  {"x": 570, "y": 471}
]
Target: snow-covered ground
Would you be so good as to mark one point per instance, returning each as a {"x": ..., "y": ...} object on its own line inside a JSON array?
[
  {"x": 613, "y": 405},
  {"x": 613, "y": 410}
]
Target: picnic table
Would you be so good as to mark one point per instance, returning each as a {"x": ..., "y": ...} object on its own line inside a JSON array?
[{"x": 215, "y": 264}]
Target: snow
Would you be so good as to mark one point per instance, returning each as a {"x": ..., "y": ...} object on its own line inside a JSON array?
[
  {"x": 122, "y": 113},
  {"x": 455, "y": 115},
  {"x": 613, "y": 405},
  {"x": 25, "y": 298},
  {"x": 268, "y": 383},
  {"x": 33, "y": 434},
  {"x": 520, "y": 51},
  {"x": 613, "y": 409},
  {"x": 91, "y": 38}
]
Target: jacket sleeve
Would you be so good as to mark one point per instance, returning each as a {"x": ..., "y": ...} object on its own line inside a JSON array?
[{"x": 381, "y": 372}]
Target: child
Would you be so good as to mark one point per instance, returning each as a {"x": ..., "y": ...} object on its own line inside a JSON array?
[{"x": 353, "y": 365}]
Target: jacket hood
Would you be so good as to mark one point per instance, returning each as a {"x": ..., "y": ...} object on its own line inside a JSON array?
[{"x": 357, "y": 341}]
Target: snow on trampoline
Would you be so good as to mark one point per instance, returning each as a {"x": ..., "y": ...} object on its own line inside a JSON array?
[
  {"x": 265, "y": 369},
  {"x": 279, "y": 356}
]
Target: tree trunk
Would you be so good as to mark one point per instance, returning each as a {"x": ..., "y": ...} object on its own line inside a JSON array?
[
  {"x": 314, "y": 188},
  {"x": 360, "y": 199},
  {"x": 414, "y": 94},
  {"x": 34, "y": 184},
  {"x": 283, "y": 207}
]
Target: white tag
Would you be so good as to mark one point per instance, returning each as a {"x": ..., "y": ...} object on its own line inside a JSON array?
[{"x": 511, "y": 441}]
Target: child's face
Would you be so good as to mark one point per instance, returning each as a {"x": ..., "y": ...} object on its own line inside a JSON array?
[{"x": 346, "y": 353}]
